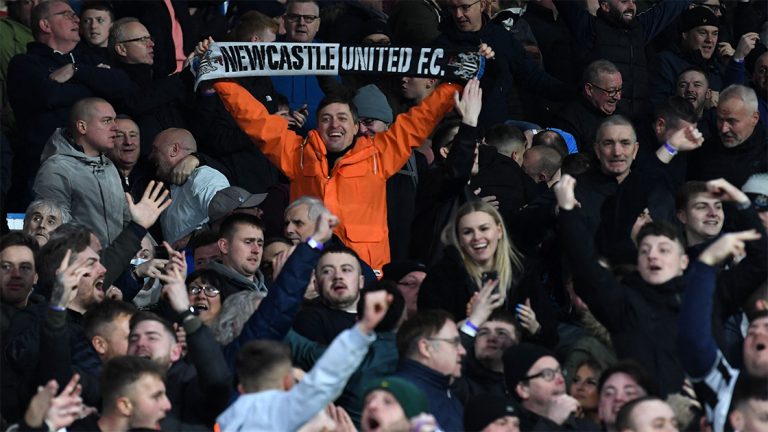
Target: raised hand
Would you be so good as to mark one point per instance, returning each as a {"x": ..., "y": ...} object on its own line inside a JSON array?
[
  {"x": 728, "y": 246},
  {"x": 642, "y": 219},
  {"x": 67, "y": 278},
  {"x": 564, "y": 191},
  {"x": 746, "y": 45},
  {"x": 561, "y": 407},
  {"x": 527, "y": 317},
  {"x": 486, "y": 51},
  {"x": 720, "y": 188},
  {"x": 686, "y": 139},
  {"x": 376, "y": 306},
  {"x": 175, "y": 290},
  {"x": 153, "y": 202},
  {"x": 56, "y": 411},
  {"x": 471, "y": 102},
  {"x": 326, "y": 222},
  {"x": 484, "y": 302}
]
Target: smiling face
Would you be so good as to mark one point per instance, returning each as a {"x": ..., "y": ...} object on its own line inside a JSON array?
[
  {"x": 702, "y": 38},
  {"x": 339, "y": 280},
  {"x": 90, "y": 288},
  {"x": 623, "y": 11},
  {"x": 703, "y": 218},
  {"x": 151, "y": 340},
  {"x": 207, "y": 301},
  {"x": 17, "y": 275},
  {"x": 126, "y": 151},
  {"x": 584, "y": 388},
  {"x": 336, "y": 126},
  {"x": 605, "y": 94},
  {"x": 735, "y": 123},
  {"x": 242, "y": 253},
  {"x": 616, "y": 148},
  {"x": 41, "y": 223},
  {"x": 479, "y": 236},
  {"x": 694, "y": 87},
  {"x": 755, "y": 348},
  {"x": 94, "y": 27},
  {"x": 382, "y": 412},
  {"x": 297, "y": 29},
  {"x": 618, "y": 389}
]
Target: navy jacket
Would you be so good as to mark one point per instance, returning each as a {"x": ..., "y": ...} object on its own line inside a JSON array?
[{"x": 443, "y": 404}]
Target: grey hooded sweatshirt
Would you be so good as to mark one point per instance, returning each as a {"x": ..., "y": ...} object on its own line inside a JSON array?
[{"x": 87, "y": 187}]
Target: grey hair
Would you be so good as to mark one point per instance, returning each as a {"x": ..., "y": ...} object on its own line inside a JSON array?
[
  {"x": 315, "y": 207},
  {"x": 117, "y": 33},
  {"x": 737, "y": 91},
  {"x": 616, "y": 120},
  {"x": 49, "y": 205}
]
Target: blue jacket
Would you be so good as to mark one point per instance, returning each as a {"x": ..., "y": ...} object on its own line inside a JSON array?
[{"x": 443, "y": 404}]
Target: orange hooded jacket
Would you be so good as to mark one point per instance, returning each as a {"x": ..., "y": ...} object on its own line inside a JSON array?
[{"x": 355, "y": 189}]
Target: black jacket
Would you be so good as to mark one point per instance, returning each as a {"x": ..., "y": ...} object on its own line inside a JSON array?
[
  {"x": 475, "y": 378},
  {"x": 449, "y": 287},
  {"x": 641, "y": 318},
  {"x": 502, "y": 177},
  {"x": 581, "y": 119},
  {"x": 601, "y": 37},
  {"x": 713, "y": 160}
]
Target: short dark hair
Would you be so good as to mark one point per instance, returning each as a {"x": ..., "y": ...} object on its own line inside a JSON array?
[
  {"x": 18, "y": 238},
  {"x": 49, "y": 258},
  {"x": 214, "y": 278},
  {"x": 229, "y": 224},
  {"x": 339, "y": 97},
  {"x": 748, "y": 387},
  {"x": 698, "y": 69},
  {"x": 277, "y": 239},
  {"x": 575, "y": 164},
  {"x": 203, "y": 238},
  {"x": 502, "y": 315},
  {"x": 340, "y": 248},
  {"x": 103, "y": 314},
  {"x": 552, "y": 139},
  {"x": 396, "y": 308},
  {"x": 674, "y": 110},
  {"x": 687, "y": 191},
  {"x": 661, "y": 228},
  {"x": 505, "y": 137},
  {"x": 624, "y": 416},
  {"x": 258, "y": 360},
  {"x": 142, "y": 316},
  {"x": 442, "y": 134},
  {"x": 422, "y": 325},
  {"x": 634, "y": 370},
  {"x": 120, "y": 372},
  {"x": 98, "y": 5}
]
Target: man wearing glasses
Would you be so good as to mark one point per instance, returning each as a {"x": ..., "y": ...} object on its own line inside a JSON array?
[
  {"x": 156, "y": 101},
  {"x": 302, "y": 22},
  {"x": 600, "y": 95},
  {"x": 535, "y": 378},
  {"x": 430, "y": 353},
  {"x": 45, "y": 83}
]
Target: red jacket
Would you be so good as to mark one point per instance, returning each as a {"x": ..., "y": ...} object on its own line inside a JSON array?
[{"x": 355, "y": 189}]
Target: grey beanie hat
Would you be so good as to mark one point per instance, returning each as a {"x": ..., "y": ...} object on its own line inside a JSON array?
[{"x": 371, "y": 103}]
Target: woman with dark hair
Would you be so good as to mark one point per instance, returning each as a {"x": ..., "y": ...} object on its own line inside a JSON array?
[{"x": 583, "y": 387}]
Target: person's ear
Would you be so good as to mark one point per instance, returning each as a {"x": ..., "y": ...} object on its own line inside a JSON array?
[
  {"x": 682, "y": 217},
  {"x": 605, "y": 7},
  {"x": 175, "y": 149},
  {"x": 288, "y": 380},
  {"x": 99, "y": 344},
  {"x": 81, "y": 126},
  {"x": 444, "y": 152},
  {"x": 223, "y": 246},
  {"x": 424, "y": 348},
  {"x": 522, "y": 391},
  {"x": 240, "y": 389},
  {"x": 124, "y": 406},
  {"x": 361, "y": 282},
  {"x": 120, "y": 50},
  {"x": 736, "y": 419},
  {"x": 660, "y": 125},
  {"x": 175, "y": 352},
  {"x": 684, "y": 260}
]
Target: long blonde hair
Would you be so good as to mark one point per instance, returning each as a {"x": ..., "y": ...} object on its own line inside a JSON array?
[{"x": 507, "y": 260}]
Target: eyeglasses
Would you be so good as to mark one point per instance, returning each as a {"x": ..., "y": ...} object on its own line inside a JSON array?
[
  {"x": 464, "y": 8},
  {"x": 609, "y": 93},
  {"x": 454, "y": 341},
  {"x": 70, "y": 15},
  {"x": 144, "y": 39},
  {"x": 309, "y": 19},
  {"x": 547, "y": 374},
  {"x": 210, "y": 291}
]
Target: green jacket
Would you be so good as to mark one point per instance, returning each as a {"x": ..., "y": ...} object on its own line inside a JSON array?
[{"x": 15, "y": 38}]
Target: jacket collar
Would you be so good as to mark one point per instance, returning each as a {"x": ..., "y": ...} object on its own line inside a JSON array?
[{"x": 423, "y": 374}]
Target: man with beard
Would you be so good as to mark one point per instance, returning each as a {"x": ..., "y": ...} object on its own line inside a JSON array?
[
  {"x": 189, "y": 208},
  {"x": 619, "y": 35},
  {"x": 199, "y": 384},
  {"x": 739, "y": 148},
  {"x": 693, "y": 86},
  {"x": 339, "y": 281}
]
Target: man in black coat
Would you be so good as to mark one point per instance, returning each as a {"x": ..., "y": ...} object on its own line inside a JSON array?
[{"x": 616, "y": 34}]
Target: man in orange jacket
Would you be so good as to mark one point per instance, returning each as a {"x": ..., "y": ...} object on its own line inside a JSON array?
[{"x": 348, "y": 172}]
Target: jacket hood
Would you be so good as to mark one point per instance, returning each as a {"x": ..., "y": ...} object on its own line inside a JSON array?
[
  {"x": 238, "y": 279},
  {"x": 60, "y": 143}
]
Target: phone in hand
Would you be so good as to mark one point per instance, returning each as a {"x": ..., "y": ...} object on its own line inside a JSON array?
[
  {"x": 161, "y": 253},
  {"x": 490, "y": 275}
]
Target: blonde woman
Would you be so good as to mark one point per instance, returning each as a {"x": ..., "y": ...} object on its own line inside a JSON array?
[{"x": 478, "y": 247}]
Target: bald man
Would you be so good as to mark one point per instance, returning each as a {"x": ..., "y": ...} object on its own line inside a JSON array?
[{"x": 189, "y": 209}]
